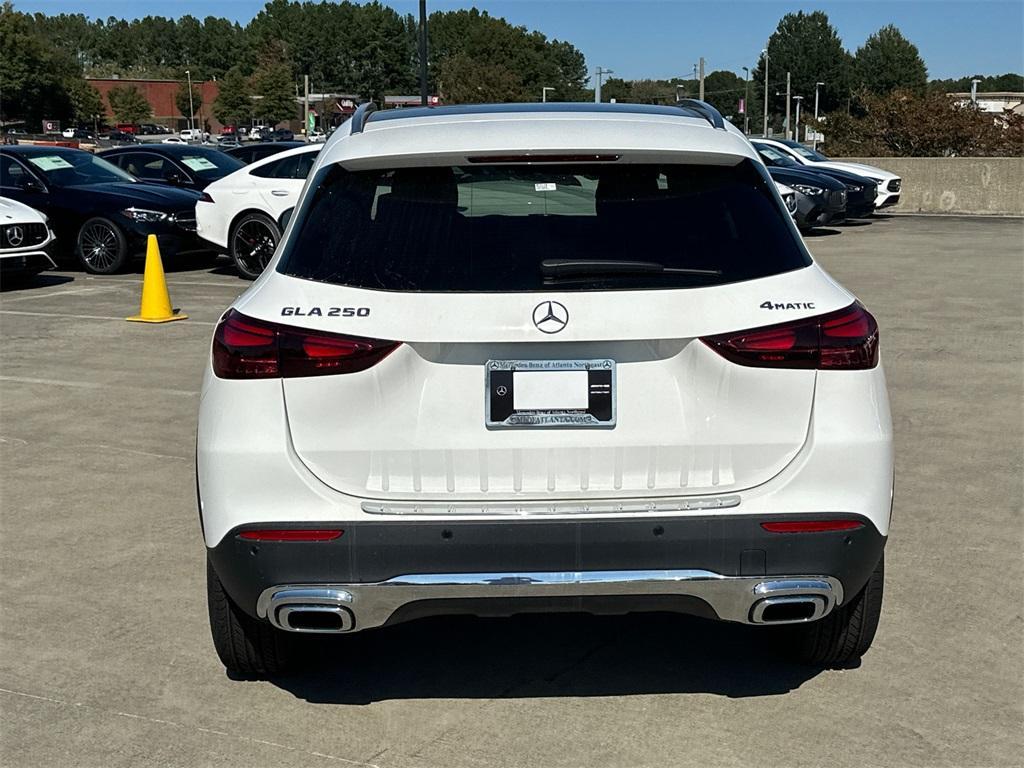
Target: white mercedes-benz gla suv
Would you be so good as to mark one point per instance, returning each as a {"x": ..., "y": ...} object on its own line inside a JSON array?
[{"x": 561, "y": 357}]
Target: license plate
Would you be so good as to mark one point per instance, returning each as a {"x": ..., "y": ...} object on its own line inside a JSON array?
[{"x": 550, "y": 393}]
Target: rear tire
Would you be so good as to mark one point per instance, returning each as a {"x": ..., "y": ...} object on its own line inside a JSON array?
[
  {"x": 246, "y": 646},
  {"x": 253, "y": 240},
  {"x": 842, "y": 637}
]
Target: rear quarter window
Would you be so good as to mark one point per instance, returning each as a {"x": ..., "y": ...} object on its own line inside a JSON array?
[{"x": 491, "y": 228}]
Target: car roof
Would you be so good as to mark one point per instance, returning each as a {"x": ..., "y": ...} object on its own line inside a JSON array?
[
  {"x": 425, "y": 136},
  {"x": 34, "y": 150},
  {"x": 177, "y": 150}
]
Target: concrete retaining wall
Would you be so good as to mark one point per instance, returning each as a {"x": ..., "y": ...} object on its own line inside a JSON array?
[{"x": 974, "y": 185}]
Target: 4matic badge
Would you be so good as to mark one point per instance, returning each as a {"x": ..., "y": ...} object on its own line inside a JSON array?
[{"x": 786, "y": 305}]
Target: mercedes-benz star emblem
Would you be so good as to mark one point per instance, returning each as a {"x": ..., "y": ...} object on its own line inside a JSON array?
[
  {"x": 15, "y": 235},
  {"x": 550, "y": 317}
]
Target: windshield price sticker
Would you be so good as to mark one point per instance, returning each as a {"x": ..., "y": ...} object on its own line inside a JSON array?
[
  {"x": 545, "y": 186},
  {"x": 198, "y": 163},
  {"x": 50, "y": 163}
]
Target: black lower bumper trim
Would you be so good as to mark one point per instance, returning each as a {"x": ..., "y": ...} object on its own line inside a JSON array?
[{"x": 730, "y": 545}]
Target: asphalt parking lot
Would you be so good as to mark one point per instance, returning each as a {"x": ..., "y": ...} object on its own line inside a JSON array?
[{"x": 105, "y": 654}]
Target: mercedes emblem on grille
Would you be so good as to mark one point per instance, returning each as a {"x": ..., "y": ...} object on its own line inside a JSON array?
[
  {"x": 15, "y": 235},
  {"x": 550, "y": 316}
]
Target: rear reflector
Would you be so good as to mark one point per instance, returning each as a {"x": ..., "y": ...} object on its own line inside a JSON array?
[
  {"x": 812, "y": 526},
  {"x": 291, "y": 534},
  {"x": 246, "y": 348},
  {"x": 843, "y": 340}
]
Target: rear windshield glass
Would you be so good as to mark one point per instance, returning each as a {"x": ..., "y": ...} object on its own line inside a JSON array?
[
  {"x": 512, "y": 228},
  {"x": 210, "y": 164}
]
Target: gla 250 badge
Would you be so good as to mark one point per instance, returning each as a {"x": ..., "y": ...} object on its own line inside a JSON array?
[{"x": 326, "y": 312}]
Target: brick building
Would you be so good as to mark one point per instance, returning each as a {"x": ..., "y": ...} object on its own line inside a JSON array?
[{"x": 161, "y": 95}]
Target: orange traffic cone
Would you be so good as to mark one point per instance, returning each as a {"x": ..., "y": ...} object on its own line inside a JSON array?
[{"x": 156, "y": 301}]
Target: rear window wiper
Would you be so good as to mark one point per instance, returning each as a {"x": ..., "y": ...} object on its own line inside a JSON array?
[{"x": 582, "y": 267}]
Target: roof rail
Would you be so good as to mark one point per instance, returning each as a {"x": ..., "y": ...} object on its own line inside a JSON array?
[
  {"x": 705, "y": 110},
  {"x": 361, "y": 117}
]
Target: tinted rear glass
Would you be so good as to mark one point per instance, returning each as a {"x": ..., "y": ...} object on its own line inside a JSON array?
[{"x": 489, "y": 228}]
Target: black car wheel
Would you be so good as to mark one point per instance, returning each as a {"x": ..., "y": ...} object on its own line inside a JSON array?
[
  {"x": 102, "y": 247},
  {"x": 253, "y": 241}
]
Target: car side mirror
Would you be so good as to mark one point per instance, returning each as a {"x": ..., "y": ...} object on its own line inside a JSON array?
[
  {"x": 285, "y": 218},
  {"x": 31, "y": 185},
  {"x": 175, "y": 178}
]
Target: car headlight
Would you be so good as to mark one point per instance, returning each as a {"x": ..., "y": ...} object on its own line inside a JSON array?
[
  {"x": 808, "y": 190},
  {"x": 853, "y": 188},
  {"x": 141, "y": 214}
]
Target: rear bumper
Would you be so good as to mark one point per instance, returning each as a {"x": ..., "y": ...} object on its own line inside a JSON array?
[{"x": 385, "y": 572}]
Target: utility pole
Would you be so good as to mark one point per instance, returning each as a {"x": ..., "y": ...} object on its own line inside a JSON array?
[
  {"x": 191, "y": 109},
  {"x": 796, "y": 125},
  {"x": 789, "y": 127},
  {"x": 701, "y": 97},
  {"x": 305, "y": 104},
  {"x": 599, "y": 73},
  {"x": 765, "y": 52},
  {"x": 746, "y": 101},
  {"x": 544, "y": 93},
  {"x": 423, "y": 53},
  {"x": 816, "y": 87}
]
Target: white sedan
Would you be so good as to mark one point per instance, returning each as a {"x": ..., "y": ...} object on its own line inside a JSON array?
[
  {"x": 25, "y": 239},
  {"x": 242, "y": 213},
  {"x": 889, "y": 184}
]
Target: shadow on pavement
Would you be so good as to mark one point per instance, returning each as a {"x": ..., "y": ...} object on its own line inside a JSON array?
[
  {"x": 31, "y": 282},
  {"x": 821, "y": 232},
  {"x": 544, "y": 655}
]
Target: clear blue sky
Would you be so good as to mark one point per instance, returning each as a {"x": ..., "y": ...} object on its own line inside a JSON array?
[{"x": 664, "y": 39}]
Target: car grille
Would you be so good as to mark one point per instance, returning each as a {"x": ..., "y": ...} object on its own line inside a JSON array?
[
  {"x": 23, "y": 235},
  {"x": 837, "y": 198},
  {"x": 894, "y": 185}
]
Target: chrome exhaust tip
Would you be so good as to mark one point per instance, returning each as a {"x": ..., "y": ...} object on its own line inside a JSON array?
[
  {"x": 791, "y": 601},
  {"x": 319, "y": 610}
]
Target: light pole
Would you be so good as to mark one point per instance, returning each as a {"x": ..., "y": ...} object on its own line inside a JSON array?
[
  {"x": 424, "y": 96},
  {"x": 746, "y": 101},
  {"x": 765, "y": 131},
  {"x": 544, "y": 92},
  {"x": 191, "y": 109},
  {"x": 974, "y": 90},
  {"x": 678, "y": 86},
  {"x": 816, "y": 87},
  {"x": 796, "y": 125},
  {"x": 600, "y": 72}
]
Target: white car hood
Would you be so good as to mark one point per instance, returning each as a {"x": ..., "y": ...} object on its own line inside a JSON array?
[
  {"x": 859, "y": 168},
  {"x": 11, "y": 212}
]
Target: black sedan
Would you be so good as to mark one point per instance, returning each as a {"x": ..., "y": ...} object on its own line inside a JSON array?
[
  {"x": 178, "y": 165},
  {"x": 860, "y": 191},
  {"x": 820, "y": 200},
  {"x": 250, "y": 153},
  {"x": 99, "y": 213}
]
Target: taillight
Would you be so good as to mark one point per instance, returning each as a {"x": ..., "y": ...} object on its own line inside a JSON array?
[
  {"x": 812, "y": 526},
  {"x": 291, "y": 534},
  {"x": 843, "y": 340},
  {"x": 246, "y": 348}
]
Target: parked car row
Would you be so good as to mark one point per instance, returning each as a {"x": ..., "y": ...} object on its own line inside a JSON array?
[
  {"x": 233, "y": 198},
  {"x": 827, "y": 191}
]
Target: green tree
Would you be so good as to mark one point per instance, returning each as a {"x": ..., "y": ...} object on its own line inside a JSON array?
[
  {"x": 181, "y": 100},
  {"x": 128, "y": 104},
  {"x": 233, "y": 104},
  {"x": 273, "y": 88},
  {"x": 807, "y": 46},
  {"x": 86, "y": 102},
  {"x": 1008, "y": 82},
  {"x": 723, "y": 90},
  {"x": 33, "y": 73},
  {"x": 465, "y": 80},
  {"x": 888, "y": 61}
]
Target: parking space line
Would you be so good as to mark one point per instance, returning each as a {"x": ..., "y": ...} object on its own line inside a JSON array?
[
  {"x": 82, "y": 317},
  {"x": 76, "y": 291},
  {"x": 92, "y": 385}
]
